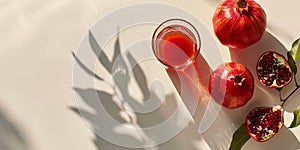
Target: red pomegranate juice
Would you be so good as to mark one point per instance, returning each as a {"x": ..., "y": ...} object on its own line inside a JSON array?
[{"x": 176, "y": 46}]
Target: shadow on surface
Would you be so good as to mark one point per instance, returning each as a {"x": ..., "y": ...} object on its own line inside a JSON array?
[
  {"x": 118, "y": 106},
  {"x": 10, "y": 137}
]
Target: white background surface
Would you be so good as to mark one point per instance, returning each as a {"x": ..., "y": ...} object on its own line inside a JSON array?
[{"x": 36, "y": 41}]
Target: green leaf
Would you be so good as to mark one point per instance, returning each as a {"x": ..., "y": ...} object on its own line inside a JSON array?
[
  {"x": 295, "y": 51},
  {"x": 296, "y": 120},
  {"x": 292, "y": 62},
  {"x": 240, "y": 137}
]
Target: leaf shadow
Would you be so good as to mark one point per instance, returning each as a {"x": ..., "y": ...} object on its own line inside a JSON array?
[
  {"x": 11, "y": 138},
  {"x": 102, "y": 57},
  {"x": 139, "y": 75},
  {"x": 102, "y": 102},
  {"x": 160, "y": 114},
  {"x": 98, "y": 121},
  {"x": 119, "y": 104},
  {"x": 93, "y": 98},
  {"x": 85, "y": 68}
]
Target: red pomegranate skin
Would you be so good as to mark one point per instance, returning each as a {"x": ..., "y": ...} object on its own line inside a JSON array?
[
  {"x": 225, "y": 91},
  {"x": 237, "y": 27}
]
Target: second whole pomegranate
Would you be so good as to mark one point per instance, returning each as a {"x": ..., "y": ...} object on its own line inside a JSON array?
[{"x": 231, "y": 85}]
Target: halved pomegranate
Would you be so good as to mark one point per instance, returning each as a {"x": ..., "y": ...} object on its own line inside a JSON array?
[
  {"x": 262, "y": 123},
  {"x": 273, "y": 70}
]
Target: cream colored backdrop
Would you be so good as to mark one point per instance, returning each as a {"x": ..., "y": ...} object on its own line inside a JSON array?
[{"x": 36, "y": 41}]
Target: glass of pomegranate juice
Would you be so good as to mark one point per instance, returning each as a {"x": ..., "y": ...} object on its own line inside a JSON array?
[{"x": 176, "y": 43}]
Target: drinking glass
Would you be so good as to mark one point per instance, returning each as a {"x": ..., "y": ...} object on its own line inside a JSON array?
[{"x": 176, "y": 43}]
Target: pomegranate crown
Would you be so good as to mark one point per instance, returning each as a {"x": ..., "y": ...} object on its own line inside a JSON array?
[{"x": 242, "y": 6}]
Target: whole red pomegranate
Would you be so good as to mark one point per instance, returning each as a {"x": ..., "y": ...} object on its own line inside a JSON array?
[
  {"x": 231, "y": 85},
  {"x": 239, "y": 23},
  {"x": 262, "y": 123},
  {"x": 273, "y": 70}
]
